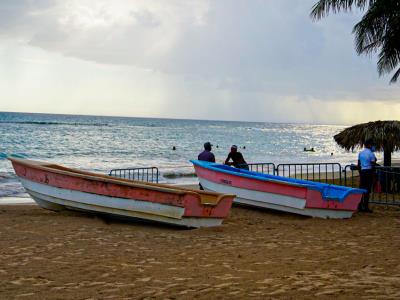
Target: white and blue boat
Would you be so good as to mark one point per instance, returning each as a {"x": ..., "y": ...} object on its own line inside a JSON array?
[{"x": 292, "y": 195}]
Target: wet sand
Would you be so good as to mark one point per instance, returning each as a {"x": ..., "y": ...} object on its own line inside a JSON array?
[{"x": 255, "y": 254}]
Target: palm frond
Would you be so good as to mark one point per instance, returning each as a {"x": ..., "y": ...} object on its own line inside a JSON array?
[
  {"x": 395, "y": 76},
  {"x": 377, "y": 32},
  {"x": 322, "y": 8}
]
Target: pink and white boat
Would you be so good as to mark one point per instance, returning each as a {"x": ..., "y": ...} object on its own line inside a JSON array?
[
  {"x": 56, "y": 188},
  {"x": 302, "y": 197}
]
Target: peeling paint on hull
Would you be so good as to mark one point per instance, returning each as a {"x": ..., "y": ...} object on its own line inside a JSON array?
[{"x": 54, "y": 187}]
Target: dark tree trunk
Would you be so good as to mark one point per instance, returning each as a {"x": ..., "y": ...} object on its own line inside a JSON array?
[{"x": 387, "y": 157}]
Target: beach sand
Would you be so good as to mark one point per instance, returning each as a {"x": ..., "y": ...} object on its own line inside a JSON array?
[{"x": 255, "y": 254}]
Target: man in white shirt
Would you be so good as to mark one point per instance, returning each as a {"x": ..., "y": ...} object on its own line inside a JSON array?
[{"x": 366, "y": 165}]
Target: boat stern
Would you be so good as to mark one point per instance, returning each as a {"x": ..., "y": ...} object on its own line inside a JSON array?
[{"x": 207, "y": 205}]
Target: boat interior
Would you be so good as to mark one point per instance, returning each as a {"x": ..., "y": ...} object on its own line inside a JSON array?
[{"x": 209, "y": 198}]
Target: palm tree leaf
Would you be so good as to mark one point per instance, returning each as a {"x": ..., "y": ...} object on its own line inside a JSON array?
[
  {"x": 395, "y": 76},
  {"x": 378, "y": 30},
  {"x": 323, "y": 7}
]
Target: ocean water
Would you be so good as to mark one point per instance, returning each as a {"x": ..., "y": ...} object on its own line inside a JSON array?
[{"x": 100, "y": 144}]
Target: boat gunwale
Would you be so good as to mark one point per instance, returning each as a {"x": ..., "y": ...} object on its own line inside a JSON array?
[{"x": 50, "y": 167}]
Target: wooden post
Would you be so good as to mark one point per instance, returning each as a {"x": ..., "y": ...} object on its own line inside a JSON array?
[{"x": 387, "y": 157}]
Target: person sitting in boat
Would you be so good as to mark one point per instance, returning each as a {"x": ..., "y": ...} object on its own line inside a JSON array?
[
  {"x": 207, "y": 155},
  {"x": 237, "y": 159}
]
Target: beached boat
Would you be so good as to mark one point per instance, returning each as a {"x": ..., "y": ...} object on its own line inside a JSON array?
[
  {"x": 280, "y": 193},
  {"x": 56, "y": 188}
]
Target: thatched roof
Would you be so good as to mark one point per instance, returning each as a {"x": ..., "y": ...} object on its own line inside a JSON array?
[{"x": 385, "y": 134}]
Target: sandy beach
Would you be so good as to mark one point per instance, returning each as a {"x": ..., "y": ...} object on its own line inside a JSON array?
[
  {"x": 255, "y": 254},
  {"x": 122, "y": 108}
]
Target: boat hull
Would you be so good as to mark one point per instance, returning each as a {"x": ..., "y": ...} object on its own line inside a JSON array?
[
  {"x": 272, "y": 192},
  {"x": 57, "y": 190},
  {"x": 56, "y": 199},
  {"x": 270, "y": 201}
]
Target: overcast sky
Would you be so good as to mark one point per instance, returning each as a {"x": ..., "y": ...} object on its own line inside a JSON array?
[{"x": 250, "y": 60}]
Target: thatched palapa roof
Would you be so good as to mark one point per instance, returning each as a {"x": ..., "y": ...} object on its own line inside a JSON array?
[{"x": 385, "y": 134}]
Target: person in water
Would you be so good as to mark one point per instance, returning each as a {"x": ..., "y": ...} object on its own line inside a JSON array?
[
  {"x": 207, "y": 155},
  {"x": 237, "y": 159}
]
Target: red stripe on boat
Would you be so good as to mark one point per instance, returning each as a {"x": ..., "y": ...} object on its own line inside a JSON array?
[
  {"x": 250, "y": 183},
  {"x": 313, "y": 198}
]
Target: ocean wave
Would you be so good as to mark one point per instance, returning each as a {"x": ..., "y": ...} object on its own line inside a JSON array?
[
  {"x": 55, "y": 123},
  {"x": 12, "y": 190},
  {"x": 16, "y": 155},
  {"x": 174, "y": 175},
  {"x": 4, "y": 176},
  {"x": 9, "y": 185},
  {"x": 268, "y": 130}
]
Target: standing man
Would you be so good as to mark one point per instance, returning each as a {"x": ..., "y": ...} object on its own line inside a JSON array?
[
  {"x": 237, "y": 159},
  {"x": 366, "y": 164},
  {"x": 207, "y": 155}
]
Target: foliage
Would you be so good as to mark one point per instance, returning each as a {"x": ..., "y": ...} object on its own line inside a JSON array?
[{"x": 377, "y": 32}]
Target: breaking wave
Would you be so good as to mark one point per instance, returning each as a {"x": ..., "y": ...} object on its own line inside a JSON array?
[
  {"x": 174, "y": 175},
  {"x": 9, "y": 185},
  {"x": 17, "y": 155},
  {"x": 55, "y": 123}
]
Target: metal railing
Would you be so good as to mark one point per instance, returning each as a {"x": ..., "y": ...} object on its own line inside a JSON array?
[
  {"x": 386, "y": 184},
  {"x": 264, "y": 168},
  {"x": 322, "y": 172},
  {"x": 350, "y": 173},
  {"x": 150, "y": 174},
  {"x": 386, "y": 188}
]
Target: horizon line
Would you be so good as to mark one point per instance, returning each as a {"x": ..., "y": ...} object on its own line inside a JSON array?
[{"x": 175, "y": 118}]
